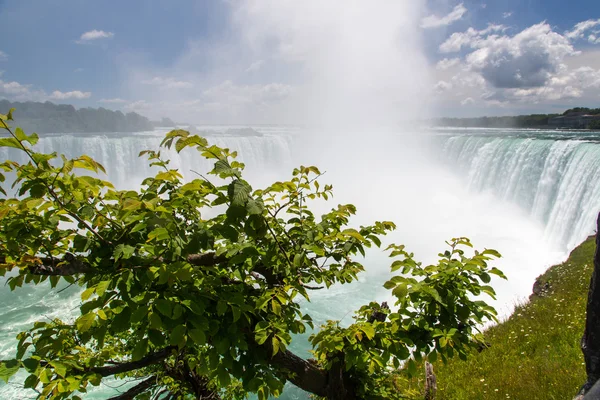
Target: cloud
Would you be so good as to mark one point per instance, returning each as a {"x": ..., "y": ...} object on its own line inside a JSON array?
[
  {"x": 507, "y": 14},
  {"x": 470, "y": 37},
  {"x": 447, "y": 63},
  {"x": 14, "y": 88},
  {"x": 529, "y": 69},
  {"x": 594, "y": 38},
  {"x": 94, "y": 35},
  {"x": 434, "y": 21},
  {"x": 255, "y": 66},
  {"x": 167, "y": 83},
  {"x": 23, "y": 92},
  {"x": 579, "y": 30},
  {"x": 442, "y": 86},
  {"x": 76, "y": 94},
  {"x": 112, "y": 101},
  {"x": 526, "y": 60},
  {"x": 3, "y": 56}
]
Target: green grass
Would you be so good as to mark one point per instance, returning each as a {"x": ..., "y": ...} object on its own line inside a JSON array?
[{"x": 535, "y": 353}]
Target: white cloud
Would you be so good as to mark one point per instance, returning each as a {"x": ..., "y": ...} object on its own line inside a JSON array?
[
  {"x": 167, "y": 83},
  {"x": 94, "y": 35},
  {"x": 527, "y": 59},
  {"x": 76, "y": 94},
  {"x": 507, "y": 14},
  {"x": 580, "y": 29},
  {"x": 447, "y": 63},
  {"x": 434, "y": 21},
  {"x": 534, "y": 68},
  {"x": 22, "y": 92},
  {"x": 469, "y": 38},
  {"x": 14, "y": 88},
  {"x": 442, "y": 86},
  {"x": 3, "y": 56},
  {"x": 112, "y": 101},
  {"x": 594, "y": 38},
  {"x": 255, "y": 66}
]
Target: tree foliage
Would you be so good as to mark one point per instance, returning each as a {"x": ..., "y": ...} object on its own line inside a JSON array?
[{"x": 194, "y": 288}]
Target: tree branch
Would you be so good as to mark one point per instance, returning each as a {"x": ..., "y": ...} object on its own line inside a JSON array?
[
  {"x": 210, "y": 259},
  {"x": 206, "y": 259},
  {"x": 69, "y": 265},
  {"x": 150, "y": 359},
  {"x": 137, "y": 389},
  {"x": 304, "y": 374}
]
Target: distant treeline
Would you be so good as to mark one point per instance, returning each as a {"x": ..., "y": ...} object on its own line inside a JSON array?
[
  {"x": 519, "y": 121},
  {"x": 63, "y": 118}
]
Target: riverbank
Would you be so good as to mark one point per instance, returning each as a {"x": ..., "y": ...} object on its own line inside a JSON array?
[{"x": 535, "y": 353}]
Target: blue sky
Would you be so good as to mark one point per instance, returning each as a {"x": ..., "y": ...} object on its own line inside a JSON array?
[{"x": 244, "y": 61}]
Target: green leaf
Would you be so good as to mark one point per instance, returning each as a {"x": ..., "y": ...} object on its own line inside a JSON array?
[
  {"x": 10, "y": 142},
  {"x": 354, "y": 233},
  {"x": 238, "y": 192},
  {"x": 159, "y": 234},
  {"x": 412, "y": 367},
  {"x": 8, "y": 368},
  {"x": 276, "y": 307},
  {"x": 138, "y": 227},
  {"x": 31, "y": 382},
  {"x": 389, "y": 285},
  {"x": 59, "y": 368},
  {"x": 84, "y": 323},
  {"x": 101, "y": 287},
  {"x": 198, "y": 336},
  {"x": 368, "y": 330},
  {"x": 254, "y": 207},
  {"x": 236, "y": 313},
  {"x": 87, "y": 293},
  {"x": 165, "y": 307},
  {"x": 31, "y": 364},
  {"x": 221, "y": 307},
  {"x": 123, "y": 251},
  {"x": 178, "y": 336},
  {"x": 122, "y": 321},
  {"x": 155, "y": 321},
  {"x": 224, "y": 377},
  {"x": 275, "y": 343},
  {"x": 140, "y": 349}
]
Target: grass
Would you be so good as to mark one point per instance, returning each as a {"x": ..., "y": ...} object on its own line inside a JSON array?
[{"x": 535, "y": 353}]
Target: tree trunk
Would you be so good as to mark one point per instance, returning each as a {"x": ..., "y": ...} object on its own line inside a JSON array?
[
  {"x": 590, "y": 343},
  {"x": 430, "y": 382}
]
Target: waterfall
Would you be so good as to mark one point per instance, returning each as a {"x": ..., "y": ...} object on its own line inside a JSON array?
[
  {"x": 554, "y": 179},
  {"x": 119, "y": 153}
]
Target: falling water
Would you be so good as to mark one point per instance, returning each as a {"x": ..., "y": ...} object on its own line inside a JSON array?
[{"x": 554, "y": 179}]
